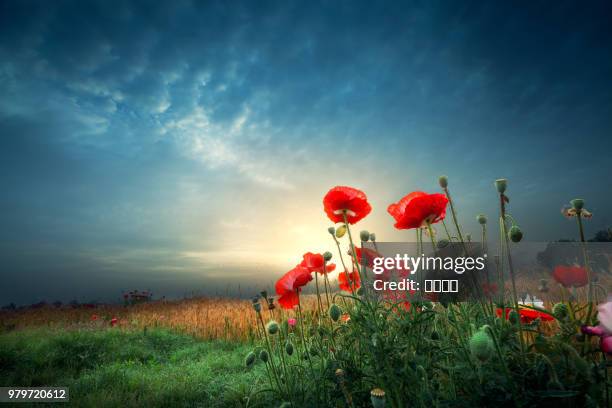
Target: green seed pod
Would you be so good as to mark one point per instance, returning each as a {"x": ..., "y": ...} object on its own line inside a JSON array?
[
  {"x": 560, "y": 311},
  {"x": 372, "y": 236},
  {"x": 513, "y": 317},
  {"x": 340, "y": 231},
  {"x": 515, "y": 234},
  {"x": 481, "y": 345},
  {"x": 263, "y": 356},
  {"x": 364, "y": 235},
  {"x": 377, "y": 396},
  {"x": 249, "y": 360},
  {"x": 501, "y": 185},
  {"x": 327, "y": 256},
  {"x": 443, "y": 180},
  {"x": 289, "y": 348},
  {"x": 331, "y": 230},
  {"x": 335, "y": 312},
  {"x": 577, "y": 203},
  {"x": 482, "y": 219},
  {"x": 272, "y": 327}
]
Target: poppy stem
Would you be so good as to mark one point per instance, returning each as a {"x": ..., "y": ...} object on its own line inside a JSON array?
[
  {"x": 454, "y": 214},
  {"x": 319, "y": 305},
  {"x": 431, "y": 236},
  {"x": 353, "y": 250},
  {"x": 586, "y": 266}
]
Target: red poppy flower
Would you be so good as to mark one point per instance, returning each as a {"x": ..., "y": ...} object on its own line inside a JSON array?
[
  {"x": 114, "y": 321},
  {"x": 315, "y": 262},
  {"x": 349, "y": 199},
  {"x": 417, "y": 209},
  {"x": 569, "y": 276},
  {"x": 527, "y": 315},
  {"x": 349, "y": 282},
  {"x": 369, "y": 254},
  {"x": 288, "y": 286},
  {"x": 94, "y": 317}
]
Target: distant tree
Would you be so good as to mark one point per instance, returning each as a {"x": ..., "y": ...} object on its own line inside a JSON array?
[{"x": 602, "y": 236}]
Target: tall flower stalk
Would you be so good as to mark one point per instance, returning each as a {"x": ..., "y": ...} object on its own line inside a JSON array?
[{"x": 443, "y": 181}]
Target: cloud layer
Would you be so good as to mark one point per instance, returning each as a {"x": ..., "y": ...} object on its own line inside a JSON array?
[{"x": 205, "y": 135}]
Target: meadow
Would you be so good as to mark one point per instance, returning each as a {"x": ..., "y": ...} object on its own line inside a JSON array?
[{"x": 345, "y": 345}]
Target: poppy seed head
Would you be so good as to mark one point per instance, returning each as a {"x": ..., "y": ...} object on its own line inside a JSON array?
[
  {"x": 577, "y": 204},
  {"x": 501, "y": 185}
]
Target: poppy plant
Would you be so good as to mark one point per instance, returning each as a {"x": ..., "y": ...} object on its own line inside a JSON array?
[
  {"x": 349, "y": 281},
  {"x": 342, "y": 199},
  {"x": 418, "y": 209},
  {"x": 571, "y": 276},
  {"x": 316, "y": 263},
  {"x": 290, "y": 284}
]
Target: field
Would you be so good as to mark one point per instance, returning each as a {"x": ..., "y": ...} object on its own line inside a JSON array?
[{"x": 114, "y": 367}]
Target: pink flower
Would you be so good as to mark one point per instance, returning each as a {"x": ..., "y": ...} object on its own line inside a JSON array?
[
  {"x": 604, "y": 316},
  {"x": 291, "y": 322},
  {"x": 606, "y": 344}
]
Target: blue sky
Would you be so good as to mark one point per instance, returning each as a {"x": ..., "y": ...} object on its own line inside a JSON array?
[{"x": 184, "y": 146}]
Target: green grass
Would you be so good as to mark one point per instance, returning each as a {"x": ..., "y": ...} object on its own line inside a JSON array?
[{"x": 109, "y": 368}]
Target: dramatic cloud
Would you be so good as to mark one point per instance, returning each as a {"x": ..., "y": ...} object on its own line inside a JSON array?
[{"x": 199, "y": 138}]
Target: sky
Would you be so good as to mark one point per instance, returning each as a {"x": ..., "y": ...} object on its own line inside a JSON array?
[{"x": 186, "y": 146}]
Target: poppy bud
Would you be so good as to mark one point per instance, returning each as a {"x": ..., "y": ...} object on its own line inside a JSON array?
[
  {"x": 513, "y": 317},
  {"x": 264, "y": 294},
  {"x": 341, "y": 231},
  {"x": 272, "y": 327},
  {"x": 257, "y": 307},
  {"x": 577, "y": 204},
  {"x": 435, "y": 335},
  {"x": 335, "y": 312},
  {"x": 443, "y": 180},
  {"x": 561, "y": 311},
  {"x": 468, "y": 237},
  {"x": 327, "y": 256},
  {"x": 543, "y": 285},
  {"x": 364, "y": 235},
  {"x": 263, "y": 356},
  {"x": 482, "y": 219},
  {"x": 289, "y": 348},
  {"x": 501, "y": 185},
  {"x": 249, "y": 360},
  {"x": 515, "y": 234},
  {"x": 360, "y": 291},
  {"x": 331, "y": 230},
  {"x": 372, "y": 236},
  {"x": 377, "y": 396},
  {"x": 481, "y": 345}
]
